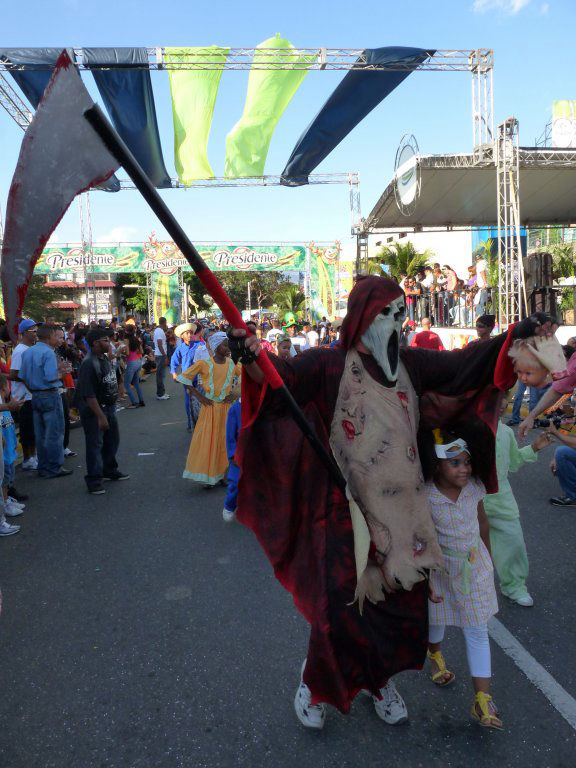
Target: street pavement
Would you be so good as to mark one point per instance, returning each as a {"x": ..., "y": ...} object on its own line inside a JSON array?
[{"x": 140, "y": 631}]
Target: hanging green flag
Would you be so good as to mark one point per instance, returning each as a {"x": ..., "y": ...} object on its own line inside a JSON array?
[
  {"x": 194, "y": 94},
  {"x": 269, "y": 93}
]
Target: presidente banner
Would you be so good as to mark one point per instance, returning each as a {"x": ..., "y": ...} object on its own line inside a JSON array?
[
  {"x": 162, "y": 260},
  {"x": 165, "y": 258}
]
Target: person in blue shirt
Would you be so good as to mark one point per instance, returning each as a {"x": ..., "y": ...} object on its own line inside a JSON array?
[
  {"x": 40, "y": 373},
  {"x": 181, "y": 360},
  {"x": 233, "y": 427}
]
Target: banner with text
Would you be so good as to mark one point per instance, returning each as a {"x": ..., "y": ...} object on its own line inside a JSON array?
[{"x": 165, "y": 258}]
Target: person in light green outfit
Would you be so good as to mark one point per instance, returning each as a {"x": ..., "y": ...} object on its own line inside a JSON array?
[{"x": 506, "y": 538}]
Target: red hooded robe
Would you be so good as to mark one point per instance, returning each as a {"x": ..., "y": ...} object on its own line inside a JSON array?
[{"x": 302, "y": 519}]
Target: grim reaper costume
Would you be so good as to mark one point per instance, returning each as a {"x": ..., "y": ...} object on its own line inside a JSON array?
[{"x": 340, "y": 558}]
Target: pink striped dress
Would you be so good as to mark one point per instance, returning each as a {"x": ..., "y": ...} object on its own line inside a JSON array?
[{"x": 468, "y": 586}]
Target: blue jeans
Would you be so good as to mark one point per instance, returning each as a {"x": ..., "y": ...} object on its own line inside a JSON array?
[
  {"x": 566, "y": 470},
  {"x": 132, "y": 379},
  {"x": 188, "y": 405},
  {"x": 160, "y": 374},
  {"x": 232, "y": 494},
  {"x": 535, "y": 395},
  {"x": 49, "y": 431}
]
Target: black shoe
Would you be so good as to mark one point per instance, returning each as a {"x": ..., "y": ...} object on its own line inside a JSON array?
[
  {"x": 563, "y": 501},
  {"x": 15, "y": 495},
  {"x": 512, "y": 423},
  {"x": 96, "y": 490},
  {"x": 62, "y": 473},
  {"x": 142, "y": 404},
  {"x": 116, "y": 476}
]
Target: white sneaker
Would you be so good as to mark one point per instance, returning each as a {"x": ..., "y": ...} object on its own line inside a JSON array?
[
  {"x": 310, "y": 715},
  {"x": 10, "y": 510},
  {"x": 30, "y": 464},
  {"x": 6, "y": 529},
  {"x": 390, "y": 707},
  {"x": 228, "y": 516},
  {"x": 526, "y": 601},
  {"x": 12, "y": 501},
  {"x": 162, "y": 397}
]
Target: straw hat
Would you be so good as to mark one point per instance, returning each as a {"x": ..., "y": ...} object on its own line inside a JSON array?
[{"x": 183, "y": 327}]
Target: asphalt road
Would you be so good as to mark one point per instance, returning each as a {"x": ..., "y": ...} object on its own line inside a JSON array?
[{"x": 140, "y": 631}]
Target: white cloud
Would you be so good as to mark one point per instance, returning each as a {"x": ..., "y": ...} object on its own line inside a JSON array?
[
  {"x": 505, "y": 6},
  {"x": 118, "y": 235}
]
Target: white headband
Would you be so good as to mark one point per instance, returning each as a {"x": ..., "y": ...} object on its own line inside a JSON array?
[
  {"x": 451, "y": 450},
  {"x": 216, "y": 339}
]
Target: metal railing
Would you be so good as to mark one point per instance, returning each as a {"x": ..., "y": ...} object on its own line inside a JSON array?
[{"x": 447, "y": 309}]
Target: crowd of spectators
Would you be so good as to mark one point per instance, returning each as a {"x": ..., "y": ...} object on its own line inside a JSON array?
[{"x": 438, "y": 293}]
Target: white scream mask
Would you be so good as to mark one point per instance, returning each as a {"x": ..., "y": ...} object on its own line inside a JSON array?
[{"x": 382, "y": 338}]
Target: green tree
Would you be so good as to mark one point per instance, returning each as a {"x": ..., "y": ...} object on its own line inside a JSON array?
[
  {"x": 373, "y": 267},
  {"x": 135, "y": 299},
  {"x": 263, "y": 287},
  {"x": 38, "y": 301},
  {"x": 403, "y": 259},
  {"x": 289, "y": 298},
  {"x": 563, "y": 260}
]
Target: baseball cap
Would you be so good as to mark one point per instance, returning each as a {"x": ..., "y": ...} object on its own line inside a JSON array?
[{"x": 26, "y": 324}]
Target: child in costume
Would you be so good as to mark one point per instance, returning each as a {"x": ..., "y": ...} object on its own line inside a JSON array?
[
  {"x": 464, "y": 594},
  {"x": 506, "y": 537},
  {"x": 233, "y": 427}
]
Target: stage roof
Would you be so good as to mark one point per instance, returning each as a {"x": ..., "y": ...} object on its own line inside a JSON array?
[{"x": 456, "y": 193}]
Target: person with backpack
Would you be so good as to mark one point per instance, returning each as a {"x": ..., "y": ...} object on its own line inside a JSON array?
[{"x": 96, "y": 395}]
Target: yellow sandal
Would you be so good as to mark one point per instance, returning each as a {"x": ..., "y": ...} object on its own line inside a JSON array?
[
  {"x": 443, "y": 676},
  {"x": 484, "y": 710}
]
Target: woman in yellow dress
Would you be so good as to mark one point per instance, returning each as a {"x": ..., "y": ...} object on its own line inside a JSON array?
[{"x": 207, "y": 460}]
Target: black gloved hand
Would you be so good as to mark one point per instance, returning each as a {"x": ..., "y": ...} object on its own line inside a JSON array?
[
  {"x": 238, "y": 349},
  {"x": 527, "y": 327}
]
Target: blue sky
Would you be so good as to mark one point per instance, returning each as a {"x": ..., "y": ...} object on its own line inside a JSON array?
[{"x": 532, "y": 41}]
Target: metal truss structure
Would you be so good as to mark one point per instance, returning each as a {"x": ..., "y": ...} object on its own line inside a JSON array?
[
  {"x": 479, "y": 62},
  {"x": 282, "y": 58},
  {"x": 256, "y": 181},
  {"x": 482, "y": 105},
  {"x": 512, "y": 305},
  {"x": 86, "y": 239},
  {"x": 13, "y": 104}
]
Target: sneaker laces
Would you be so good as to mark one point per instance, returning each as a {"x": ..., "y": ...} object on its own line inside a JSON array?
[
  {"x": 307, "y": 695},
  {"x": 390, "y": 695}
]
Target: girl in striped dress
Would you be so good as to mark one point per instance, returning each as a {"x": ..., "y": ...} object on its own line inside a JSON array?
[{"x": 464, "y": 594}]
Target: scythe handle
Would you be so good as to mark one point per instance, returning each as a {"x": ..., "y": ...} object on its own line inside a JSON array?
[{"x": 124, "y": 156}]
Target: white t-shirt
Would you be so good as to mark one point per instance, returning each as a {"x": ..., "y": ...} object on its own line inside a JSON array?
[
  {"x": 312, "y": 338},
  {"x": 272, "y": 334},
  {"x": 159, "y": 335},
  {"x": 19, "y": 390},
  {"x": 481, "y": 266},
  {"x": 428, "y": 281},
  {"x": 300, "y": 341}
]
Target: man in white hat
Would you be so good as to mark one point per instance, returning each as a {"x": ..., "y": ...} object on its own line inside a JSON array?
[{"x": 182, "y": 359}]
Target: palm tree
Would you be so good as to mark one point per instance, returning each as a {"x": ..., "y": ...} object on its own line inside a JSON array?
[
  {"x": 373, "y": 267},
  {"x": 403, "y": 259},
  {"x": 289, "y": 298},
  {"x": 563, "y": 255}
]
